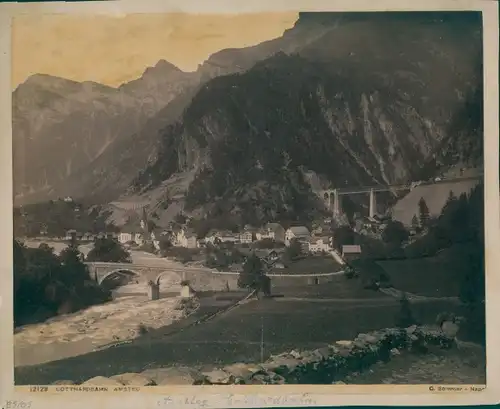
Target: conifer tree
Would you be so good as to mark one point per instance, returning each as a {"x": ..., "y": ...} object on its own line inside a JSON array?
[{"x": 423, "y": 212}]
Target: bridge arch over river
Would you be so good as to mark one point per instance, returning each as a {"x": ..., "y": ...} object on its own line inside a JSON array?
[
  {"x": 119, "y": 273},
  {"x": 101, "y": 271}
]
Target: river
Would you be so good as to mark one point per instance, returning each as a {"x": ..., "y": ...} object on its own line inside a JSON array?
[{"x": 98, "y": 325}]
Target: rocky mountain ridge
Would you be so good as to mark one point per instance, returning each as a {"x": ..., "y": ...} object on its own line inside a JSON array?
[
  {"x": 374, "y": 97},
  {"x": 348, "y": 106}
]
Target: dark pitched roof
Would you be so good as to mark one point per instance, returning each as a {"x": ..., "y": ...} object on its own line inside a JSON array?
[
  {"x": 274, "y": 226},
  {"x": 300, "y": 230},
  {"x": 351, "y": 249},
  {"x": 132, "y": 227}
]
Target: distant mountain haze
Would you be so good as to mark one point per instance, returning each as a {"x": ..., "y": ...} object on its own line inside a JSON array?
[
  {"x": 60, "y": 127},
  {"x": 120, "y": 155},
  {"x": 118, "y": 48}
]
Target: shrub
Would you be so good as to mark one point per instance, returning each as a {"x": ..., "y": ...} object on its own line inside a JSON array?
[
  {"x": 143, "y": 329},
  {"x": 405, "y": 318},
  {"x": 384, "y": 280},
  {"x": 265, "y": 244},
  {"x": 109, "y": 250},
  {"x": 444, "y": 316},
  {"x": 371, "y": 284},
  {"x": 350, "y": 273},
  {"x": 187, "y": 305}
]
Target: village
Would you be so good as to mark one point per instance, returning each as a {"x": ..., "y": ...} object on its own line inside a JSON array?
[{"x": 315, "y": 249}]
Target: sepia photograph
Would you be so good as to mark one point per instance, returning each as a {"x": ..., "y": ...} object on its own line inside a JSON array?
[{"x": 254, "y": 198}]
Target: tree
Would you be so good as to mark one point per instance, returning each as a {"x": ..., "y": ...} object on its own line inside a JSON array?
[
  {"x": 266, "y": 243},
  {"x": 165, "y": 243},
  {"x": 180, "y": 218},
  {"x": 72, "y": 261},
  {"x": 423, "y": 212},
  {"x": 453, "y": 221},
  {"x": 460, "y": 230},
  {"x": 109, "y": 250},
  {"x": 151, "y": 225},
  {"x": 395, "y": 233},
  {"x": 405, "y": 317},
  {"x": 415, "y": 223},
  {"x": 473, "y": 285},
  {"x": 46, "y": 284},
  {"x": 293, "y": 251},
  {"x": 252, "y": 274},
  {"x": 343, "y": 236}
]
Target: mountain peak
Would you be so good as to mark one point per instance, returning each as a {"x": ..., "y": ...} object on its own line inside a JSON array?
[
  {"x": 48, "y": 81},
  {"x": 162, "y": 67}
]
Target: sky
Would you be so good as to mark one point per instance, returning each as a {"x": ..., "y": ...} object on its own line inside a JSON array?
[{"x": 112, "y": 50}]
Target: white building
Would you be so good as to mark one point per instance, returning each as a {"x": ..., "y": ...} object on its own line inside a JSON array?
[
  {"x": 246, "y": 237},
  {"x": 228, "y": 237},
  {"x": 185, "y": 238},
  {"x": 131, "y": 233},
  {"x": 319, "y": 244},
  {"x": 272, "y": 231}
]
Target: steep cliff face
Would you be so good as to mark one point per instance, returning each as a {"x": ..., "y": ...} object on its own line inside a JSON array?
[{"x": 367, "y": 102}]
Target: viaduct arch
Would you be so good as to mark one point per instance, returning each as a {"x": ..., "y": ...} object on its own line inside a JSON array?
[{"x": 101, "y": 271}]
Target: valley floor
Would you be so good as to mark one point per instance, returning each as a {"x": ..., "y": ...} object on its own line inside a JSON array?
[{"x": 234, "y": 336}]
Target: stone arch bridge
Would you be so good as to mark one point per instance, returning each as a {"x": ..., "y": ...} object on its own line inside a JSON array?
[
  {"x": 200, "y": 278},
  {"x": 100, "y": 271}
]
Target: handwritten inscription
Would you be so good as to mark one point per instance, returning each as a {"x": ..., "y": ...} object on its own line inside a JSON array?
[
  {"x": 18, "y": 404},
  {"x": 239, "y": 400}
]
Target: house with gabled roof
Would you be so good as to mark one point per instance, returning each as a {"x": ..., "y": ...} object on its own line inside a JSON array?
[
  {"x": 300, "y": 233},
  {"x": 158, "y": 235},
  {"x": 70, "y": 234},
  {"x": 191, "y": 240},
  {"x": 227, "y": 236},
  {"x": 272, "y": 231},
  {"x": 185, "y": 237},
  {"x": 247, "y": 235},
  {"x": 351, "y": 252},
  {"x": 132, "y": 232},
  {"x": 211, "y": 237},
  {"x": 319, "y": 244},
  {"x": 88, "y": 237}
]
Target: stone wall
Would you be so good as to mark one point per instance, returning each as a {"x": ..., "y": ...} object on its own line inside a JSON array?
[
  {"x": 213, "y": 281},
  {"x": 327, "y": 365}
]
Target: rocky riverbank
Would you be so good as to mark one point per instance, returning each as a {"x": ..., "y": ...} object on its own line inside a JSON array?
[
  {"x": 84, "y": 331},
  {"x": 330, "y": 364}
]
